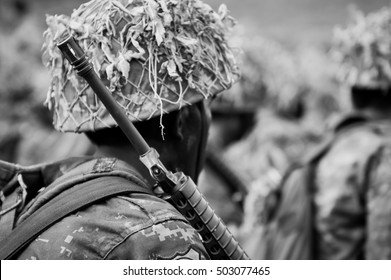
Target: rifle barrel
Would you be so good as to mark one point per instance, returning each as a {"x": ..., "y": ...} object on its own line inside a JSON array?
[{"x": 79, "y": 61}]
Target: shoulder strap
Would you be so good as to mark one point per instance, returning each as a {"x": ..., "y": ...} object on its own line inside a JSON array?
[
  {"x": 79, "y": 172},
  {"x": 68, "y": 202}
]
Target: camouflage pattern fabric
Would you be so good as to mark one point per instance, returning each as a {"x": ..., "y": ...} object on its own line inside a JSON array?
[
  {"x": 137, "y": 226},
  {"x": 353, "y": 195},
  {"x": 149, "y": 71}
]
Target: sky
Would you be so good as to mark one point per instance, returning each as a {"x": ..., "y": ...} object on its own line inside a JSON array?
[
  {"x": 296, "y": 21},
  {"x": 291, "y": 21}
]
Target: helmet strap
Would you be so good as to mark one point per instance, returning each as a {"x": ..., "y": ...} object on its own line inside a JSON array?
[{"x": 205, "y": 122}]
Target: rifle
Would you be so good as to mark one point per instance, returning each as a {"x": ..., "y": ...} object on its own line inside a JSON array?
[
  {"x": 182, "y": 191},
  {"x": 235, "y": 185}
]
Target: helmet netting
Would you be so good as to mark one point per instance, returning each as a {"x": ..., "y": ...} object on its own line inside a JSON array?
[{"x": 154, "y": 57}]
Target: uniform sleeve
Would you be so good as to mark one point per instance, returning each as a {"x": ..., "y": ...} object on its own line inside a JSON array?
[
  {"x": 378, "y": 202},
  {"x": 169, "y": 240}
]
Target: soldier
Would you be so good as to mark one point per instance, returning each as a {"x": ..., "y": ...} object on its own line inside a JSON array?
[
  {"x": 162, "y": 61},
  {"x": 352, "y": 195}
]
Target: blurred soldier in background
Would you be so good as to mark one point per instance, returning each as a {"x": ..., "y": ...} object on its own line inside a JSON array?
[
  {"x": 163, "y": 78},
  {"x": 271, "y": 74},
  {"x": 27, "y": 135},
  {"x": 275, "y": 91},
  {"x": 268, "y": 80},
  {"x": 352, "y": 190},
  {"x": 233, "y": 116},
  {"x": 15, "y": 83},
  {"x": 346, "y": 185}
]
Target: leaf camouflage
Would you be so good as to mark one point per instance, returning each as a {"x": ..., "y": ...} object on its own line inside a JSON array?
[
  {"x": 181, "y": 47},
  {"x": 363, "y": 49}
]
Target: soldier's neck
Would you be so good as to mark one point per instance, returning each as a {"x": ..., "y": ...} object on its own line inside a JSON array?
[{"x": 374, "y": 114}]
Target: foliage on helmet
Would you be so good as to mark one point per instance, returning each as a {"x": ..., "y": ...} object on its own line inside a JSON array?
[
  {"x": 268, "y": 76},
  {"x": 155, "y": 56},
  {"x": 363, "y": 49}
]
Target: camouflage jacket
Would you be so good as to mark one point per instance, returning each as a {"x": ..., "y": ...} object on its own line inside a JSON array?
[
  {"x": 136, "y": 226},
  {"x": 353, "y": 193}
]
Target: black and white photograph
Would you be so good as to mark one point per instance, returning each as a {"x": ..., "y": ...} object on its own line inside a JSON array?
[{"x": 256, "y": 131}]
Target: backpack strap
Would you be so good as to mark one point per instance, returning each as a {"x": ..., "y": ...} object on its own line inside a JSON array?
[
  {"x": 70, "y": 201},
  {"x": 81, "y": 170}
]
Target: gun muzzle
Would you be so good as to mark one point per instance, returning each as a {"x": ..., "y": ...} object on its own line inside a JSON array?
[
  {"x": 75, "y": 55},
  {"x": 79, "y": 60}
]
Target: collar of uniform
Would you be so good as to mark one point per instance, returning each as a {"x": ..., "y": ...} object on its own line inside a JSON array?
[
  {"x": 349, "y": 120},
  {"x": 62, "y": 175}
]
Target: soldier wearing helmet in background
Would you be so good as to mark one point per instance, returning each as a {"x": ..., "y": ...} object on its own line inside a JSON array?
[
  {"x": 352, "y": 190},
  {"x": 27, "y": 135},
  {"x": 233, "y": 116},
  {"x": 268, "y": 82},
  {"x": 162, "y": 61},
  {"x": 275, "y": 93}
]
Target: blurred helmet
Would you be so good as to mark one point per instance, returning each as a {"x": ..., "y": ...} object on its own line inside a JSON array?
[
  {"x": 269, "y": 77},
  {"x": 247, "y": 95},
  {"x": 363, "y": 49},
  {"x": 155, "y": 56}
]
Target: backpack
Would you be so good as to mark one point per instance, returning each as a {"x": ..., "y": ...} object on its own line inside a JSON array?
[
  {"x": 288, "y": 231},
  {"x": 54, "y": 193}
]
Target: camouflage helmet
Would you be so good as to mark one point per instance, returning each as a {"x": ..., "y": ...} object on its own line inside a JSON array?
[
  {"x": 155, "y": 56},
  {"x": 269, "y": 77},
  {"x": 363, "y": 49},
  {"x": 249, "y": 92}
]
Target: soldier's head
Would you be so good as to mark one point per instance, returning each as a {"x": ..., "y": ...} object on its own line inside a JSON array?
[
  {"x": 161, "y": 60},
  {"x": 363, "y": 50},
  {"x": 269, "y": 80}
]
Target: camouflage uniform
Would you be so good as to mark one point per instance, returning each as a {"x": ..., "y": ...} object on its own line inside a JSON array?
[
  {"x": 153, "y": 62},
  {"x": 353, "y": 182},
  {"x": 137, "y": 226},
  {"x": 353, "y": 193}
]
